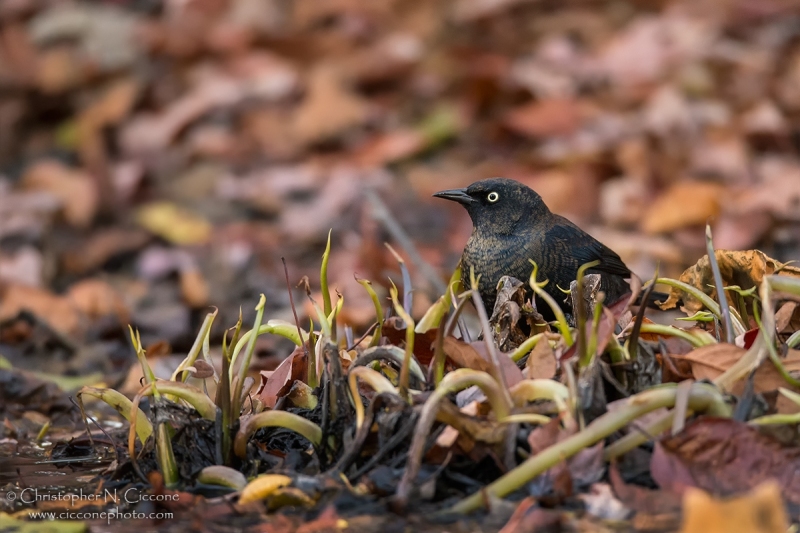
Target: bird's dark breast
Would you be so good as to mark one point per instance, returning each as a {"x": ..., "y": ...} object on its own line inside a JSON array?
[{"x": 493, "y": 257}]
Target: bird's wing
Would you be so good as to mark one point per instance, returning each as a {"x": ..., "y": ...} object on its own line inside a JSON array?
[{"x": 586, "y": 248}]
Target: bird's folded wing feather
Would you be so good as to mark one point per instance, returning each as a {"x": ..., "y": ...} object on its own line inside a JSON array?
[{"x": 586, "y": 248}]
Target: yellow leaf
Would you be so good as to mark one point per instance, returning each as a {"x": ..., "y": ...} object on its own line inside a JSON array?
[
  {"x": 174, "y": 223},
  {"x": 262, "y": 487}
]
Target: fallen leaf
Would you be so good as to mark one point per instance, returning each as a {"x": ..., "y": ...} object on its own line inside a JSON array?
[
  {"x": 513, "y": 320},
  {"x": 463, "y": 355},
  {"x": 623, "y": 201},
  {"x": 787, "y": 318},
  {"x": 761, "y": 510},
  {"x": 390, "y": 58},
  {"x": 146, "y": 134},
  {"x": 685, "y": 203},
  {"x": 667, "y": 112},
  {"x": 551, "y": 117},
  {"x": 528, "y": 516},
  {"x": 726, "y": 457},
  {"x": 390, "y": 147},
  {"x": 96, "y": 298},
  {"x": 541, "y": 362},
  {"x": 764, "y": 118},
  {"x": 641, "y": 499},
  {"x": 725, "y": 156},
  {"x": 105, "y": 34},
  {"x": 601, "y": 502},
  {"x": 583, "y": 469},
  {"x": 174, "y": 223},
  {"x": 394, "y": 329},
  {"x": 75, "y": 189},
  {"x": 328, "y": 521},
  {"x": 289, "y": 497},
  {"x": 642, "y": 52},
  {"x": 328, "y": 109},
  {"x": 56, "y": 310},
  {"x": 709, "y": 362},
  {"x": 775, "y": 174},
  {"x": 740, "y": 231},
  {"x": 262, "y": 487},
  {"x": 342, "y": 189},
  {"x": 59, "y": 69},
  {"x": 278, "y": 383},
  {"x": 194, "y": 288},
  {"x": 745, "y": 269},
  {"x": 202, "y": 369},
  {"x": 102, "y": 246}
]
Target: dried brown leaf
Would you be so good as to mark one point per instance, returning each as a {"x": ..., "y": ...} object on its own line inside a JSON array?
[
  {"x": 743, "y": 268},
  {"x": 279, "y": 382},
  {"x": 329, "y": 108},
  {"x": 541, "y": 362},
  {"x": 96, "y": 298},
  {"x": 708, "y": 362},
  {"x": 57, "y": 311},
  {"x": 685, "y": 203},
  {"x": 555, "y": 116},
  {"x": 725, "y": 457},
  {"x": 75, "y": 189}
]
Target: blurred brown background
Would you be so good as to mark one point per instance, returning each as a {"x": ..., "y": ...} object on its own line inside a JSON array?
[{"x": 160, "y": 157}]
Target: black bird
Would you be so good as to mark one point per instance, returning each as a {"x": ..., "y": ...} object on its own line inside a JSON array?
[{"x": 511, "y": 226}]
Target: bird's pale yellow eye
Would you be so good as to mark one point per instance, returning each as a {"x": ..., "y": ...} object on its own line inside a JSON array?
[{"x": 493, "y": 197}]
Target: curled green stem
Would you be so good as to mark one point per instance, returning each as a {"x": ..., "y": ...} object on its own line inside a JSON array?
[
  {"x": 527, "y": 345},
  {"x": 283, "y": 419},
  {"x": 376, "y": 380},
  {"x": 526, "y": 418},
  {"x": 705, "y": 299},
  {"x": 272, "y": 327},
  {"x": 197, "y": 347},
  {"x": 121, "y": 404},
  {"x": 530, "y": 390},
  {"x": 561, "y": 320},
  {"x": 389, "y": 353},
  {"x": 696, "y": 338}
]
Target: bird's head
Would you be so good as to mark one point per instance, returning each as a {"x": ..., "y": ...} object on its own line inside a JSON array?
[{"x": 497, "y": 204}]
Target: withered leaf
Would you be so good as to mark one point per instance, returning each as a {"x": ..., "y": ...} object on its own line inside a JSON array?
[
  {"x": 726, "y": 457},
  {"x": 745, "y": 269}
]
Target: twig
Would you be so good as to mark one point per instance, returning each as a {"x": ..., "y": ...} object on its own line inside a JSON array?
[{"x": 382, "y": 214}]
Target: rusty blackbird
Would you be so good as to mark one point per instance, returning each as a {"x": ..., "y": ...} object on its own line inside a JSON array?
[{"x": 511, "y": 226}]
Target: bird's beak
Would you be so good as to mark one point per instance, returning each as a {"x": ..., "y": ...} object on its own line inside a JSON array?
[{"x": 456, "y": 195}]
